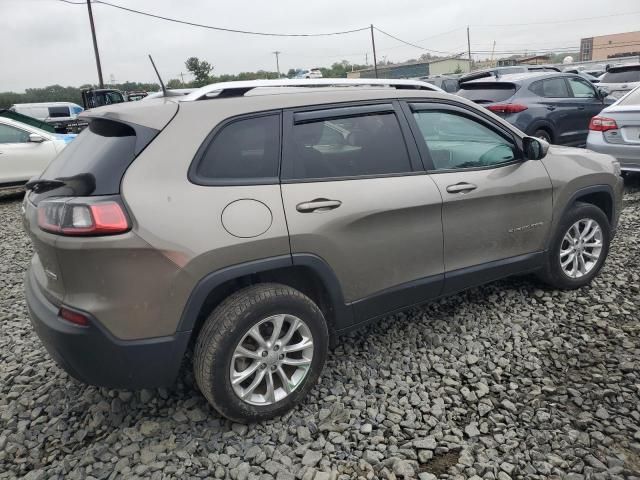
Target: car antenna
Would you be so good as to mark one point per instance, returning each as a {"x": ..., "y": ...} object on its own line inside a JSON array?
[{"x": 164, "y": 89}]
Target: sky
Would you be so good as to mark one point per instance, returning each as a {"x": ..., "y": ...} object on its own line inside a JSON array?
[{"x": 47, "y": 42}]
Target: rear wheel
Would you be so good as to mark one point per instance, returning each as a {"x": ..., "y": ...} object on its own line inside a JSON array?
[
  {"x": 260, "y": 352},
  {"x": 579, "y": 247},
  {"x": 543, "y": 134}
]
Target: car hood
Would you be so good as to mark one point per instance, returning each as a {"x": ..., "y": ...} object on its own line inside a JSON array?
[{"x": 596, "y": 162}]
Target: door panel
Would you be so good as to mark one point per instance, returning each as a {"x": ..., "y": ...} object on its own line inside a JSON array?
[
  {"x": 496, "y": 205},
  {"x": 586, "y": 104},
  {"x": 506, "y": 215},
  {"x": 385, "y": 233}
]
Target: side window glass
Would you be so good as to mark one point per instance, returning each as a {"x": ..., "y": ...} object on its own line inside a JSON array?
[
  {"x": 456, "y": 141},
  {"x": 581, "y": 88},
  {"x": 347, "y": 147},
  {"x": 247, "y": 149},
  {"x": 555, "y": 88},
  {"x": 13, "y": 135}
]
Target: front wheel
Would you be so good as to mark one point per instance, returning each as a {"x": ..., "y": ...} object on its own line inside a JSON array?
[
  {"x": 579, "y": 247},
  {"x": 260, "y": 352},
  {"x": 543, "y": 134}
]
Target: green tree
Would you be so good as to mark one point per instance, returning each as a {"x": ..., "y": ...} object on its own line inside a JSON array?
[
  {"x": 174, "y": 83},
  {"x": 200, "y": 70}
]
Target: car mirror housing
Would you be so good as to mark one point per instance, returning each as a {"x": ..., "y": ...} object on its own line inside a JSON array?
[
  {"x": 34, "y": 137},
  {"x": 535, "y": 148}
]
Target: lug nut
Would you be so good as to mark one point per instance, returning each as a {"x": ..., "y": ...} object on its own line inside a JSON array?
[
  {"x": 273, "y": 367},
  {"x": 264, "y": 354},
  {"x": 276, "y": 347},
  {"x": 281, "y": 357},
  {"x": 263, "y": 366}
]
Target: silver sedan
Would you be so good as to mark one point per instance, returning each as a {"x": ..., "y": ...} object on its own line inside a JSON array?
[{"x": 616, "y": 131}]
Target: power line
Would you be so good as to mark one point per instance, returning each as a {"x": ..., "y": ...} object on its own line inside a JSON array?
[
  {"x": 412, "y": 44},
  {"x": 557, "y": 22},
  {"x": 222, "y": 29}
]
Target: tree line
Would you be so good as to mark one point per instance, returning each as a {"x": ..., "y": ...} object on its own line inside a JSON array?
[{"x": 201, "y": 70}]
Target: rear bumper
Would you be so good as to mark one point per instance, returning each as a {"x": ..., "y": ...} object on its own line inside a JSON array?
[
  {"x": 92, "y": 355},
  {"x": 627, "y": 155}
]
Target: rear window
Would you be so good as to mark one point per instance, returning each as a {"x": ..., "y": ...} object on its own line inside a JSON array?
[
  {"x": 95, "y": 161},
  {"x": 621, "y": 76},
  {"x": 487, "y": 92},
  {"x": 59, "y": 112},
  {"x": 631, "y": 99}
]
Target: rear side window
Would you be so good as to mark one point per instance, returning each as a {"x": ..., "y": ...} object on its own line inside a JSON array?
[
  {"x": 59, "y": 112},
  {"x": 359, "y": 145},
  {"x": 95, "y": 161},
  {"x": 622, "y": 76},
  {"x": 551, "y": 88},
  {"x": 487, "y": 92},
  {"x": 243, "y": 151}
]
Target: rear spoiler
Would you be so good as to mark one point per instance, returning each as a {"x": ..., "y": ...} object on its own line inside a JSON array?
[{"x": 476, "y": 76}]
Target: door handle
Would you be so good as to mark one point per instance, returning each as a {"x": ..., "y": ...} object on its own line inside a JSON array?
[
  {"x": 551, "y": 107},
  {"x": 318, "y": 205},
  {"x": 462, "y": 187}
]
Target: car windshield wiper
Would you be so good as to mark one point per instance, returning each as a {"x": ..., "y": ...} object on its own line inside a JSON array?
[{"x": 41, "y": 185}]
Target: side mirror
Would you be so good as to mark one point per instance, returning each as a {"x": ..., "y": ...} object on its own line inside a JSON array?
[
  {"x": 535, "y": 148},
  {"x": 602, "y": 93},
  {"x": 35, "y": 138}
]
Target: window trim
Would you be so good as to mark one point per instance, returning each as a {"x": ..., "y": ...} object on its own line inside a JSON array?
[
  {"x": 346, "y": 109},
  {"x": 438, "y": 104},
  {"x": 192, "y": 173}
]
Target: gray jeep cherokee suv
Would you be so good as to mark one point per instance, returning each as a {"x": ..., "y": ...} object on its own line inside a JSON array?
[{"x": 253, "y": 221}]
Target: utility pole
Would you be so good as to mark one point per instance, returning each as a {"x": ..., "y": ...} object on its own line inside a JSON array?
[
  {"x": 493, "y": 49},
  {"x": 182, "y": 77},
  {"x": 469, "y": 47},
  {"x": 95, "y": 45},
  {"x": 277, "y": 54},
  {"x": 375, "y": 60}
]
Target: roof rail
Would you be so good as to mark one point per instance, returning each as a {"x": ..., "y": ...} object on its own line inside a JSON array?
[{"x": 237, "y": 89}]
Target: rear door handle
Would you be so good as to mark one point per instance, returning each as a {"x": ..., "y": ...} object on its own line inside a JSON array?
[
  {"x": 551, "y": 107},
  {"x": 462, "y": 187},
  {"x": 318, "y": 205}
]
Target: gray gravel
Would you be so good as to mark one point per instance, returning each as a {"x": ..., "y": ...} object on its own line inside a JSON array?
[{"x": 507, "y": 381}]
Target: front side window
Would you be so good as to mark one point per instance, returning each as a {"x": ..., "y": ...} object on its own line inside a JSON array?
[
  {"x": 346, "y": 147},
  {"x": 581, "y": 88},
  {"x": 247, "y": 149},
  {"x": 456, "y": 141},
  {"x": 13, "y": 135}
]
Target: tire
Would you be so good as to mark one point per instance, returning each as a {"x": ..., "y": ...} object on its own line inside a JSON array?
[
  {"x": 543, "y": 134},
  {"x": 553, "y": 273},
  {"x": 228, "y": 327}
]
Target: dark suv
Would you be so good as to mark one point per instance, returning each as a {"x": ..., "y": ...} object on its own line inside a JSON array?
[{"x": 556, "y": 107}]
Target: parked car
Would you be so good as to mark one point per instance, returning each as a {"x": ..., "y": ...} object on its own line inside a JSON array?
[
  {"x": 448, "y": 83},
  {"x": 309, "y": 73},
  {"x": 620, "y": 79},
  {"x": 60, "y": 115},
  {"x": 259, "y": 223},
  {"x": 25, "y": 151},
  {"x": 98, "y": 97},
  {"x": 616, "y": 131},
  {"x": 583, "y": 74},
  {"x": 556, "y": 107},
  {"x": 500, "y": 71}
]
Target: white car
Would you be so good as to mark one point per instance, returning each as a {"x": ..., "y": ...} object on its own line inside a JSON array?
[
  {"x": 620, "y": 80},
  {"x": 25, "y": 151},
  {"x": 310, "y": 73}
]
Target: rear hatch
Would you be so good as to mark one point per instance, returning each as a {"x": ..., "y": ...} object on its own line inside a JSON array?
[
  {"x": 492, "y": 94},
  {"x": 89, "y": 169},
  {"x": 618, "y": 81}
]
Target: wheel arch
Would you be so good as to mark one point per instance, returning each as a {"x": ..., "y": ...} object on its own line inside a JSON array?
[
  {"x": 543, "y": 125},
  {"x": 305, "y": 272}
]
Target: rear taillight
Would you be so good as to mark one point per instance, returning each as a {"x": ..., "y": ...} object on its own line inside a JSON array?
[
  {"x": 76, "y": 218},
  {"x": 507, "y": 108},
  {"x": 602, "y": 124}
]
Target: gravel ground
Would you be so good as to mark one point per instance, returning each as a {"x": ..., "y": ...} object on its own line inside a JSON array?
[{"x": 510, "y": 380}]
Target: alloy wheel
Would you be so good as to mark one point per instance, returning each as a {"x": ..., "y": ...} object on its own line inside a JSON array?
[
  {"x": 581, "y": 248},
  {"x": 271, "y": 360}
]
